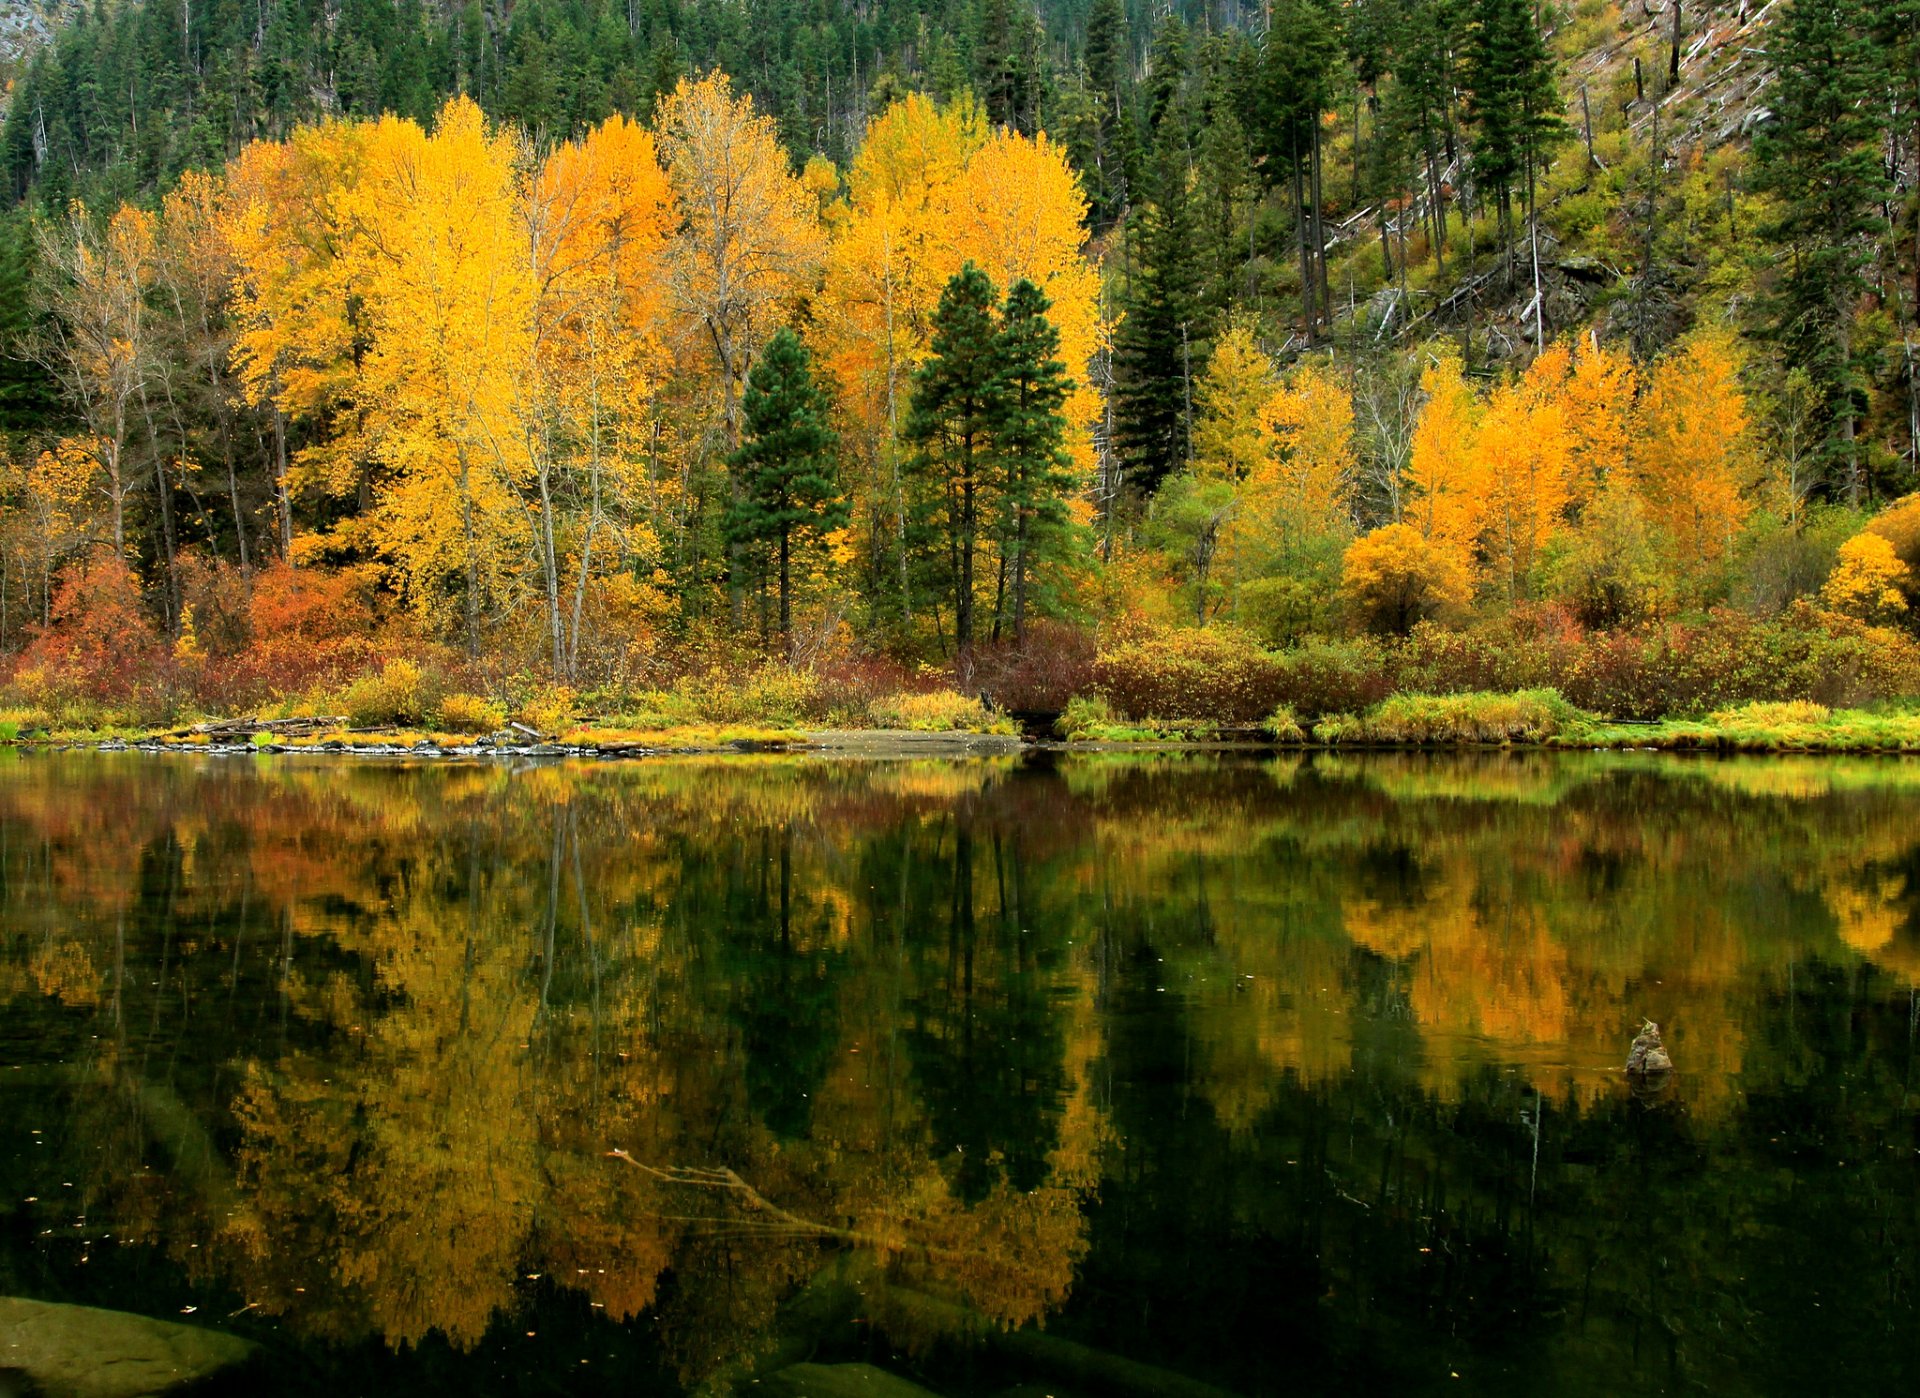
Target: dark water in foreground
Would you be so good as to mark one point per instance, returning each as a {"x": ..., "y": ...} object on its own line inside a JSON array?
[{"x": 1280, "y": 1076}]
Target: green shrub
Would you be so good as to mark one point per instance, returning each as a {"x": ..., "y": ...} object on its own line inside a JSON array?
[
  {"x": 1337, "y": 728},
  {"x": 1328, "y": 677},
  {"x": 1283, "y": 727},
  {"x": 1085, "y": 714}
]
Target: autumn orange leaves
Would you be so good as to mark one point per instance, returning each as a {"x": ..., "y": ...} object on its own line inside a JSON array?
[
  {"x": 516, "y": 372},
  {"x": 1577, "y": 462}
]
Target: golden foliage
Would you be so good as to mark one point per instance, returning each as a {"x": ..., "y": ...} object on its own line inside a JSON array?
[
  {"x": 1694, "y": 462},
  {"x": 1397, "y": 576},
  {"x": 1868, "y": 581}
]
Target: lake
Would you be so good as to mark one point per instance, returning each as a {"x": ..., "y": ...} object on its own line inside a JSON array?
[{"x": 1089, "y": 1074}]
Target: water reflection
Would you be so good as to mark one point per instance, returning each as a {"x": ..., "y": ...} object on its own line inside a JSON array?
[{"x": 1216, "y": 1068}]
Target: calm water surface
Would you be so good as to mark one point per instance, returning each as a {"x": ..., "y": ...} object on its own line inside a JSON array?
[{"x": 1110, "y": 1075}]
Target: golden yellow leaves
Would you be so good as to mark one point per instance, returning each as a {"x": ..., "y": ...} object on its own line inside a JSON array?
[
  {"x": 1495, "y": 477},
  {"x": 931, "y": 190},
  {"x": 1232, "y": 437},
  {"x": 1306, "y": 477},
  {"x": 1399, "y": 576},
  {"x": 1447, "y": 486},
  {"x": 1693, "y": 458},
  {"x": 750, "y": 240},
  {"x": 1868, "y": 580}
]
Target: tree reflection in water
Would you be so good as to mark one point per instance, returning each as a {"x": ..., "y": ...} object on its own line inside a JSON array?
[{"x": 1299, "y": 1066}]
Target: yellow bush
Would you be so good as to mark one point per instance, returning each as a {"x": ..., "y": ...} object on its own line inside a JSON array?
[
  {"x": 1396, "y": 576},
  {"x": 941, "y": 712},
  {"x": 470, "y": 713},
  {"x": 1524, "y": 716},
  {"x": 1774, "y": 715},
  {"x": 548, "y": 708},
  {"x": 401, "y": 693},
  {"x": 1869, "y": 580}
]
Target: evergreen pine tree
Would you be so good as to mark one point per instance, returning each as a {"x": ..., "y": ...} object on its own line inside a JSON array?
[
  {"x": 955, "y": 412},
  {"x": 1109, "y": 54},
  {"x": 1032, "y": 470},
  {"x": 1167, "y": 64},
  {"x": 789, "y": 483},
  {"x": 1821, "y": 156},
  {"x": 1160, "y": 347},
  {"x": 1512, "y": 98},
  {"x": 1300, "y": 58}
]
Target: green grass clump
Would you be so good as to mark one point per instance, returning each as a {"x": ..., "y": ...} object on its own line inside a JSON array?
[
  {"x": 1283, "y": 726},
  {"x": 1773, "y": 727},
  {"x": 1527, "y": 716}
]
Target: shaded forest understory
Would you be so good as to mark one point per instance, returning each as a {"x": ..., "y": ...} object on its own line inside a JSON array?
[{"x": 771, "y": 365}]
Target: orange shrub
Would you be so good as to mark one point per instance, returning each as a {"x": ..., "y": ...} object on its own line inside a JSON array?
[{"x": 101, "y": 644}]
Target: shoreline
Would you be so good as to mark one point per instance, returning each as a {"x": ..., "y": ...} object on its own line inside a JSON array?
[{"x": 881, "y": 744}]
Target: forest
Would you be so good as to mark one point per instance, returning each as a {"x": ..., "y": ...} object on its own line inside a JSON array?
[{"x": 896, "y": 364}]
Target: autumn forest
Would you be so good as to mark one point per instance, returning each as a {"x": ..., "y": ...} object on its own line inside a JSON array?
[{"x": 1237, "y": 345}]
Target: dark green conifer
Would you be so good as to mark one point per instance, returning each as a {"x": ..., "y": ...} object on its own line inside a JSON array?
[
  {"x": 955, "y": 412},
  {"x": 1033, "y": 472},
  {"x": 789, "y": 481},
  {"x": 1160, "y": 349},
  {"x": 1821, "y": 156}
]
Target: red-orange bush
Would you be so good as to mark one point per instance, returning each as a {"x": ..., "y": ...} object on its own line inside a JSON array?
[
  {"x": 1051, "y": 664},
  {"x": 100, "y": 644}
]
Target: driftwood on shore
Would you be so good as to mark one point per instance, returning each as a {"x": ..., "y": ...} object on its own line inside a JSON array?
[{"x": 246, "y": 727}]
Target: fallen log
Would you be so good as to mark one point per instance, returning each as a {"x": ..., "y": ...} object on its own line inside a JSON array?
[{"x": 246, "y": 727}]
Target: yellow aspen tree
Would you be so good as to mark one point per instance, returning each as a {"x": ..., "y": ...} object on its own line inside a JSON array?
[
  {"x": 286, "y": 222},
  {"x": 1308, "y": 470},
  {"x": 1597, "y": 395},
  {"x": 449, "y": 296},
  {"x": 1869, "y": 581},
  {"x": 750, "y": 239},
  {"x": 1524, "y": 451},
  {"x": 1396, "y": 576},
  {"x": 599, "y": 216},
  {"x": 1020, "y": 212},
  {"x": 1232, "y": 438},
  {"x": 1446, "y": 488},
  {"x": 195, "y": 273},
  {"x": 886, "y": 266},
  {"x": 1694, "y": 458}
]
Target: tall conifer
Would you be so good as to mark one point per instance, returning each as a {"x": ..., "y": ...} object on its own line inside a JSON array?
[{"x": 789, "y": 481}]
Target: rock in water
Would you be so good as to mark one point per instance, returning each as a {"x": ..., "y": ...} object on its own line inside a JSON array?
[
  {"x": 83, "y": 1352},
  {"x": 1648, "y": 1055}
]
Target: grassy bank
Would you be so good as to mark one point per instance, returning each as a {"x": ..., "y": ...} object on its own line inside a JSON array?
[
  {"x": 1534, "y": 718},
  {"x": 1519, "y": 719}
]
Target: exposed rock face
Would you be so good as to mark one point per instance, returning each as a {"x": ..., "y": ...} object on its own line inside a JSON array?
[
  {"x": 26, "y": 24},
  {"x": 58, "y": 1351},
  {"x": 1648, "y": 1055}
]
